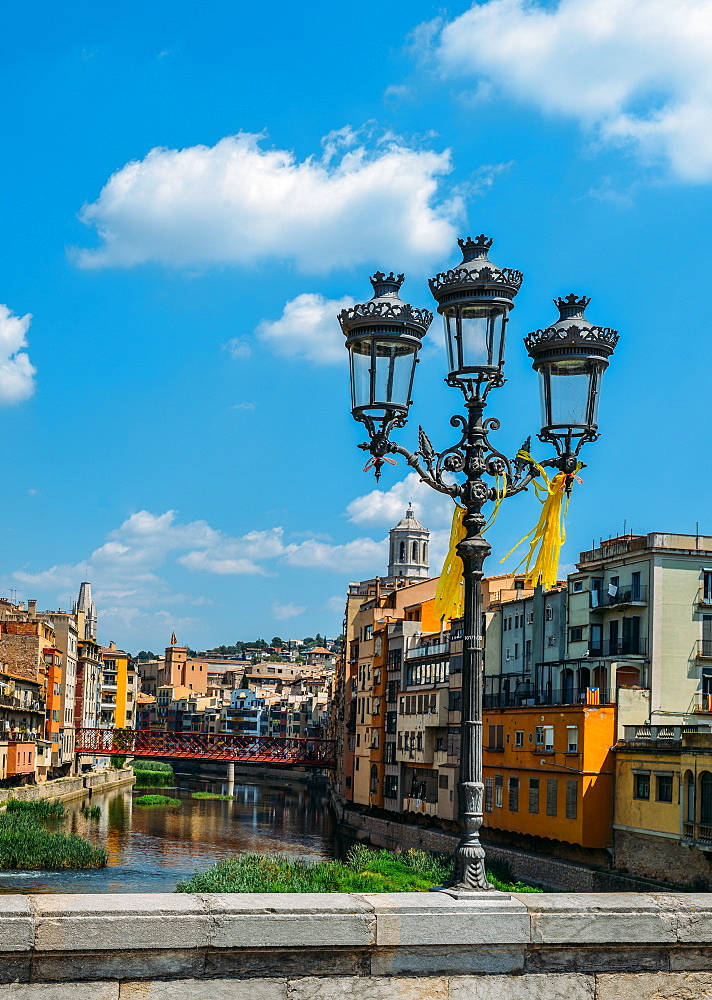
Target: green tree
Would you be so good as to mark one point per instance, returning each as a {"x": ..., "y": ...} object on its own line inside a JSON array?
[{"x": 276, "y": 641}]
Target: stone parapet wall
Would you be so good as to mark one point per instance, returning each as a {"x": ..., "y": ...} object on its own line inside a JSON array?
[
  {"x": 419, "y": 946},
  {"x": 646, "y": 854},
  {"x": 68, "y": 788}
]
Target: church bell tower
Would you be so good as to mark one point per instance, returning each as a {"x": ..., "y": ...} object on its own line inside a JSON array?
[{"x": 408, "y": 554}]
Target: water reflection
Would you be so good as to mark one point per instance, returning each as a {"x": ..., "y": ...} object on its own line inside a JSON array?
[{"x": 150, "y": 849}]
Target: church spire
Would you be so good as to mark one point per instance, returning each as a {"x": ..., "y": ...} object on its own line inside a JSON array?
[{"x": 408, "y": 554}]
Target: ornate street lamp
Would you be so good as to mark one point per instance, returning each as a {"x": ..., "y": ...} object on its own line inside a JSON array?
[{"x": 475, "y": 299}]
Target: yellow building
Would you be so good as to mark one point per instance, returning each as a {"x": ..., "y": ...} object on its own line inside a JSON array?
[
  {"x": 119, "y": 688},
  {"x": 663, "y": 803}
]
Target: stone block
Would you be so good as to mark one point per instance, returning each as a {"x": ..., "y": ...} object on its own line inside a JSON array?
[
  {"x": 215, "y": 989},
  {"x": 598, "y": 918},
  {"x": 105, "y": 922},
  {"x": 275, "y": 920},
  {"x": 369, "y": 988},
  {"x": 17, "y": 923},
  {"x": 82, "y": 966},
  {"x": 60, "y": 991},
  {"x": 487, "y": 960},
  {"x": 287, "y": 962},
  {"x": 409, "y": 920},
  {"x": 590, "y": 959},
  {"x": 551, "y": 987},
  {"x": 655, "y": 986}
]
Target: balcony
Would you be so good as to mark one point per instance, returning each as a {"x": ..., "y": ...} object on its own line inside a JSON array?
[
  {"x": 525, "y": 695},
  {"x": 434, "y": 649},
  {"x": 702, "y": 702},
  {"x": 704, "y": 649},
  {"x": 622, "y": 647},
  {"x": 622, "y": 597}
]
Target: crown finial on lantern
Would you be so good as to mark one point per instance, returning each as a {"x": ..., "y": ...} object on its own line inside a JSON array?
[
  {"x": 475, "y": 249},
  {"x": 386, "y": 284},
  {"x": 572, "y": 306}
]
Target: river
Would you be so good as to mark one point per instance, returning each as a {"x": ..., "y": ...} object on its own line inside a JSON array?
[{"x": 152, "y": 848}]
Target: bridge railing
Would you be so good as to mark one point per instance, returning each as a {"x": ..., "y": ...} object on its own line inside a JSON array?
[{"x": 285, "y": 750}]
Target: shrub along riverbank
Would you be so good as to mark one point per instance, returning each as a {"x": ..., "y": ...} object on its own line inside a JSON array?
[
  {"x": 155, "y": 800},
  {"x": 364, "y": 870},
  {"x": 26, "y": 843},
  {"x": 153, "y": 774}
]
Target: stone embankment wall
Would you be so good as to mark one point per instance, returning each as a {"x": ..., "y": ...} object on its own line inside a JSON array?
[
  {"x": 409, "y": 946},
  {"x": 69, "y": 788},
  {"x": 536, "y": 869}
]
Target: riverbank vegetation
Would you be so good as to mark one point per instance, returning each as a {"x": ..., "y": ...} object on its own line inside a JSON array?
[
  {"x": 91, "y": 812},
  {"x": 41, "y": 808},
  {"x": 25, "y": 843},
  {"x": 364, "y": 870},
  {"x": 153, "y": 774},
  {"x": 156, "y": 800},
  {"x": 211, "y": 795}
]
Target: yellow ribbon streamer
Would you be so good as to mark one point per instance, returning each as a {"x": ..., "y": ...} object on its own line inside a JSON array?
[
  {"x": 449, "y": 597},
  {"x": 541, "y": 564}
]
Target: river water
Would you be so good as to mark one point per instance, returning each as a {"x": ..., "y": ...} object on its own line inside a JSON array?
[{"x": 151, "y": 849}]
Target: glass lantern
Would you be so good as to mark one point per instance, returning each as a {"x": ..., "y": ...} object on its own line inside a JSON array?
[
  {"x": 474, "y": 300},
  {"x": 383, "y": 337},
  {"x": 570, "y": 357}
]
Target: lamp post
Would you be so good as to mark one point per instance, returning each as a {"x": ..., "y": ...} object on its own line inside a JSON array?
[{"x": 383, "y": 337}]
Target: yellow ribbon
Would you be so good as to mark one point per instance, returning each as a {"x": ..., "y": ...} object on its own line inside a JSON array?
[
  {"x": 541, "y": 564},
  {"x": 449, "y": 598}
]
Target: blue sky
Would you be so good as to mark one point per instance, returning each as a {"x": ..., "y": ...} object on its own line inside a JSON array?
[{"x": 192, "y": 192}]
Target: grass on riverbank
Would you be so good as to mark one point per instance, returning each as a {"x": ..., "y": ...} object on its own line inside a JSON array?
[
  {"x": 41, "y": 808},
  {"x": 25, "y": 843},
  {"x": 156, "y": 800},
  {"x": 211, "y": 795},
  {"x": 91, "y": 812},
  {"x": 365, "y": 870}
]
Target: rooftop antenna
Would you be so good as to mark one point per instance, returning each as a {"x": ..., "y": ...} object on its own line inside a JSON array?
[{"x": 624, "y": 525}]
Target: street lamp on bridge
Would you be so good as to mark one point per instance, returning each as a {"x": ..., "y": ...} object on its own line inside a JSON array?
[{"x": 383, "y": 337}]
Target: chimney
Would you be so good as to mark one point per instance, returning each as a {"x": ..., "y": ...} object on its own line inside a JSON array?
[
  {"x": 32, "y": 608},
  {"x": 112, "y": 644}
]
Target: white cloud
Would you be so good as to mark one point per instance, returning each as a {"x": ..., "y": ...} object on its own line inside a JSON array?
[
  {"x": 308, "y": 328},
  {"x": 636, "y": 72},
  {"x": 238, "y": 348},
  {"x": 360, "y": 555},
  {"x": 284, "y": 611},
  {"x": 238, "y": 203},
  {"x": 387, "y": 507},
  {"x": 16, "y": 372},
  {"x": 335, "y": 603},
  {"x": 243, "y": 406}
]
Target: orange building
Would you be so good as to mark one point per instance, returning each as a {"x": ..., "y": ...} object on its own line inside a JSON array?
[
  {"x": 21, "y": 757},
  {"x": 548, "y": 772},
  {"x": 53, "y": 717}
]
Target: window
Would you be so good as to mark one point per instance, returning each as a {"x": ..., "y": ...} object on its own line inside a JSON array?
[
  {"x": 571, "y": 798},
  {"x": 368, "y": 632},
  {"x": 390, "y": 786},
  {"x": 443, "y": 780},
  {"x": 513, "y": 794},
  {"x": 539, "y": 736},
  {"x": 548, "y": 739},
  {"x": 519, "y": 584},
  {"x": 635, "y": 586},
  {"x": 488, "y": 795},
  {"x": 578, "y": 586},
  {"x": 533, "y": 795},
  {"x": 641, "y": 786},
  {"x": 498, "y": 790},
  {"x": 391, "y": 721},
  {"x": 516, "y": 650},
  {"x": 663, "y": 787},
  {"x": 706, "y": 798},
  {"x": 454, "y": 700},
  {"x": 378, "y": 648},
  {"x": 549, "y": 613},
  {"x": 530, "y": 618},
  {"x": 495, "y": 737},
  {"x": 374, "y": 779},
  {"x": 575, "y": 633},
  {"x": 519, "y": 737},
  {"x": 440, "y": 744},
  {"x": 552, "y": 793},
  {"x": 551, "y": 640},
  {"x": 572, "y": 739},
  {"x": 595, "y": 645}
]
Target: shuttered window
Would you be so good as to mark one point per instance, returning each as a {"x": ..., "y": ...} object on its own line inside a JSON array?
[
  {"x": 571, "y": 799},
  {"x": 498, "y": 790},
  {"x": 533, "y": 795},
  {"x": 513, "y": 794},
  {"x": 552, "y": 792}
]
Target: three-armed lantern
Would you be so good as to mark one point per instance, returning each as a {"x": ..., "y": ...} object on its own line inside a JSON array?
[
  {"x": 474, "y": 299},
  {"x": 383, "y": 337},
  {"x": 570, "y": 357}
]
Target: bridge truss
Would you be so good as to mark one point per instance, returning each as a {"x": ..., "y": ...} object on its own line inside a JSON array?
[{"x": 288, "y": 751}]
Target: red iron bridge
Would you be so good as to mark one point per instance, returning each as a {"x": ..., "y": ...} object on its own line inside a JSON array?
[{"x": 289, "y": 751}]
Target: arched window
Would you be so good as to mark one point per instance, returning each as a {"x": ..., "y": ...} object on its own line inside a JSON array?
[
  {"x": 706, "y": 798},
  {"x": 402, "y": 552},
  {"x": 568, "y": 685},
  {"x": 374, "y": 779},
  {"x": 689, "y": 804},
  {"x": 425, "y": 552},
  {"x": 415, "y": 552}
]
